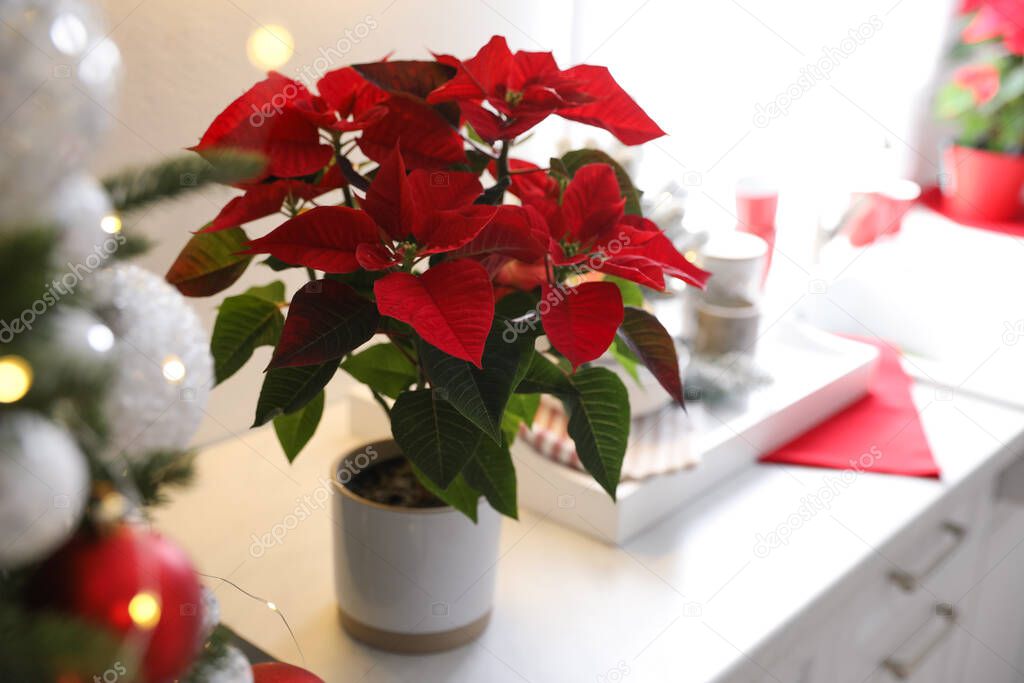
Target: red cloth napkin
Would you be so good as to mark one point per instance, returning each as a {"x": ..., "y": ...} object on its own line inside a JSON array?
[
  {"x": 932, "y": 198},
  {"x": 880, "y": 433}
]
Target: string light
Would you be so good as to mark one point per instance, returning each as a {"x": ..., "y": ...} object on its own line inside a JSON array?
[
  {"x": 269, "y": 47},
  {"x": 270, "y": 604},
  {"x": 144, "y": 609},
  {"x": 111, "y": 224},
  {"x": 691, "y": 256},
  {"x": 173, "y": 369},
  {"x": 15, "y": 378}
]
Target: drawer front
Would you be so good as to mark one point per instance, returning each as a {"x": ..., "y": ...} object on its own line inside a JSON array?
[{"x": 895, "y": 609}]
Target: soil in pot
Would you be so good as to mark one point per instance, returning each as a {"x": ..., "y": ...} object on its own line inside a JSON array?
[{"x": 392, "y": 482}]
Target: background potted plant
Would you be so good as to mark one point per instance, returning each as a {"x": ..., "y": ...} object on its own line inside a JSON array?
[
  {"x": 457, "y": 288},
  {"x": 985, "y": 97}
]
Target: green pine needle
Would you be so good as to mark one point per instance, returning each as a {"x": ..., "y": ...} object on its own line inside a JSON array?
[{"x": 137, "y": 187}]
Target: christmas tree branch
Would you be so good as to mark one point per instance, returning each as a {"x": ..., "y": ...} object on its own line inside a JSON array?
[
  {"x": 137, "y": 187},
  {"x": 159, "y": 470}
]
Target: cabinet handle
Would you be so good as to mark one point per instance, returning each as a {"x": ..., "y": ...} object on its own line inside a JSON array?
[
  {"x": 908, "y": 581},
  {"x": 902, "y": 669}
]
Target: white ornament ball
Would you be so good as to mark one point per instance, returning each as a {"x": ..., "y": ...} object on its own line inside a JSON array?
[
  {"x": 44, "y": 486},
  {"x": 164, "y": 372},
  {"x": 233, "y": 667},
  {"x": 59, "y": 79}
]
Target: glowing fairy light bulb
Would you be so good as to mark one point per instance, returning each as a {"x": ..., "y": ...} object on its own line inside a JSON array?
[
  {"x": 144, "y": 610},
  {"x": 15, "y": 378},
  {"x": 173, "y": 369},
  {"x": 111, "y": 224},
  {"x": 269, "y": 47},
  {"x": 100, "y": 338}
]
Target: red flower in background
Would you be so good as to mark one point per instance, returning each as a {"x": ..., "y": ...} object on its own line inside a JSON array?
[
  {"x": 982, "y": 80},
  {"x": 996, "y": 19},
  {"x": 524, "y": 88}
]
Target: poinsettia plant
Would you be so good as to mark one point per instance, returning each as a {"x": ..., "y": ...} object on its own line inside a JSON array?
[
  {"x": 424, "y": 283},
  {"x": 985, "y": 95}
]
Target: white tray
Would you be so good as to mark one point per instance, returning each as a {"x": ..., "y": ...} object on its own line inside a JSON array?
[{"x": 815, "y": 374}]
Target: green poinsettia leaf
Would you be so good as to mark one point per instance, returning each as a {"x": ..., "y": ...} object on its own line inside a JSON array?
[
  {"x": 632, "y": 294},
  {"x": 953, "y": 100},
  {"x": 435, "y": 436},
  {"x": 625, "y": 357},
  {"x": 273, "y": 291},
  {"x": 382, "y": 367},
  {"x": 209, "y": 262},
  {"x": 294, "y": 430},
  {"x": 599, "y": 424},
  {"x": 491, "y": 472},
  {"x": 598, "y": 407},
  {"x": 480, "y": 394},
  {"x": 286, "y": 390},
  {"x": 573, "y": 161},
  {"x": 244, "y": 322},
  {"x": 459, "y": 494},
  {"x": 544, "y": 377},
  {"x": 521, "y": 410}
]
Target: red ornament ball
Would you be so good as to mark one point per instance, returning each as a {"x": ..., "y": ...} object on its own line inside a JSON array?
[
  {"x": 276, "y": 672},
  {"x": 139, "y": 585}
]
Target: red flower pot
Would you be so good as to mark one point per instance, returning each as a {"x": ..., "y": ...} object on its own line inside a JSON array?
[{"x": 982, "y": 185}]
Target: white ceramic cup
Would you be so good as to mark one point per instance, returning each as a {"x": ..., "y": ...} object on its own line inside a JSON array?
[{"x": 736, "y": 261}]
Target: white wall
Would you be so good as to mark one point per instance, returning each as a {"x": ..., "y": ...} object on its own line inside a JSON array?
[
  {"x": 185, "y": 61},
  {"x": 704, "y": 70}
]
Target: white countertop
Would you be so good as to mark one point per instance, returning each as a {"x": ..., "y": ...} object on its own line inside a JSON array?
[{"x": 686, "y": 601}]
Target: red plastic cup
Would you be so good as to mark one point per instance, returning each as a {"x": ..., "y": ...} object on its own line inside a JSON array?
[{"x": 757, "y": 200}]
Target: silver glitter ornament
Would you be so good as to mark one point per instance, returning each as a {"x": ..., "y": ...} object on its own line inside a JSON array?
[{"x": 164, "y": 372}]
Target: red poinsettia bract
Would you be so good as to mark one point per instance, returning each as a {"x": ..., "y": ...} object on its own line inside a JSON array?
[
  {"x": 524, "y": 88},
  {"x": 405, "y": 217}
]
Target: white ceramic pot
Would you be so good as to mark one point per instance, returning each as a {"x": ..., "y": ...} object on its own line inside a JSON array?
[{"x": 410, "y": 579}]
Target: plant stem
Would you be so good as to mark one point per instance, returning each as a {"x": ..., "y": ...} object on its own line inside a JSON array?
[
  {"x": 380, "y": 399},
  {"x": 502, "y": 161}
]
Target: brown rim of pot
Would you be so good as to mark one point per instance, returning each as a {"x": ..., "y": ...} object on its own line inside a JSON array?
[{"x": 345, "y": 491}]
